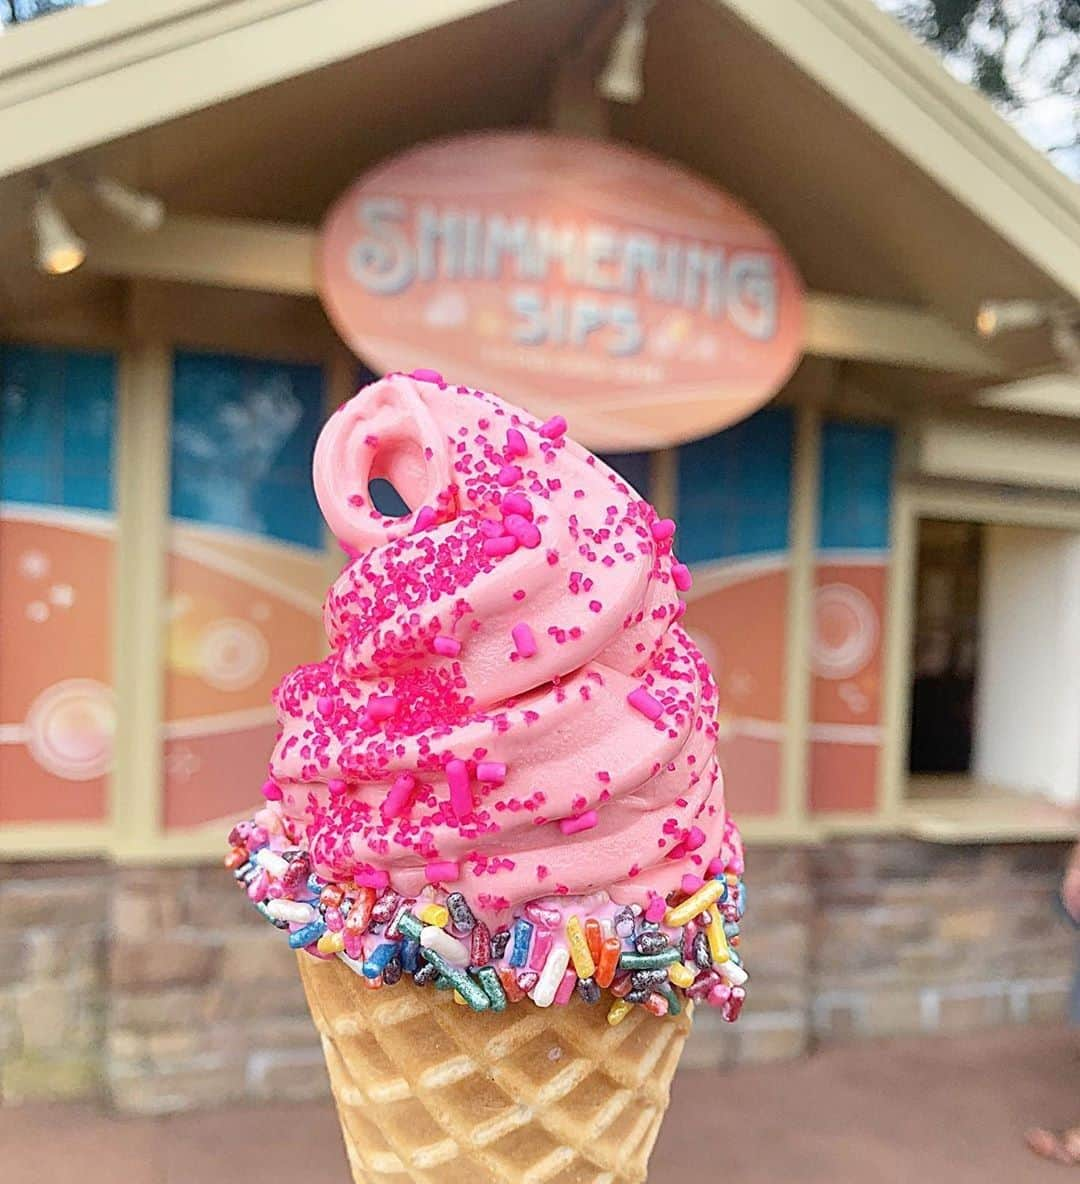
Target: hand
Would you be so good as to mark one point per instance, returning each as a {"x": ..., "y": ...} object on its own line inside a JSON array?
[{"x": 1070, "y": 886}]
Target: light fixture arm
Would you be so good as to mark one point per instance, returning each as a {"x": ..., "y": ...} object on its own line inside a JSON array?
[{"x": 622, "y": 80}]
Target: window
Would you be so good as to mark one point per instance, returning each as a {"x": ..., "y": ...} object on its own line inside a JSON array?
[
  {"x": 734, "y": 501},
  {"x": 246, "y": 572},
  {"x": 849, "y": 611},
  {"x": 57, "y": 717}
]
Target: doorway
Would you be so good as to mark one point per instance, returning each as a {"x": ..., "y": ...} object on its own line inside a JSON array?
[
  {"x": 945, "y": 647},
  {"x": 995, "y": 687}
]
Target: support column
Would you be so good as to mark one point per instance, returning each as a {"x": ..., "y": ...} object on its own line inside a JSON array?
[{"x": 142, "y": 502}]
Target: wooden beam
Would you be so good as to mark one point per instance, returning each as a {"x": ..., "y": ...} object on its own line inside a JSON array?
[
  {"x": 872, "y": 331},
  {"x": 218, "y": 252},
  {"x": 274, "y": 257}
]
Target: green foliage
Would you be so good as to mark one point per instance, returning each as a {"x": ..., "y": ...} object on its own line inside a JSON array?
[{"x": 1019, "y": 53}]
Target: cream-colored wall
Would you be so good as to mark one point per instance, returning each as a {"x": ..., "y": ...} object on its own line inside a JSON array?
[{"x": 1027, "y": 718}]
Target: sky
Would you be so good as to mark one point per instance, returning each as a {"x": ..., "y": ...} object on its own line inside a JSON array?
[{"x": 1046, "y": 116}]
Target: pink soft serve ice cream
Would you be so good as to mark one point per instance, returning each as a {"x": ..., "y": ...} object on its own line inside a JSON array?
[{"x": 510, "y": 716}]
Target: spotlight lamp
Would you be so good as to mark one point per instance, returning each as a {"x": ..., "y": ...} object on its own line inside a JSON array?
[
  {"x": 1063, "y": 320},
  {"x": 59, "y": 249},
  {"x": 1001, "y": 316}
]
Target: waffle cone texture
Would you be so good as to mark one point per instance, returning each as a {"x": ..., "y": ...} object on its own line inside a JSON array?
[{"x": 432, "y": 1092}]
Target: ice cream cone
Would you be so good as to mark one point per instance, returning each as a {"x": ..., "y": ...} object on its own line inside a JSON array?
[{"x": 428, "y": 1091}]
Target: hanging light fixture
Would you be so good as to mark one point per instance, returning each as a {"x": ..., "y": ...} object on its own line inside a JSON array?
[
  {"x": 999, "y": 316},
  {"x": 141, "y": 211},
  {"x": 59, "y": 249},
  {"x": 623, "y": 79},
  {"x": 1002, "y": 316}
]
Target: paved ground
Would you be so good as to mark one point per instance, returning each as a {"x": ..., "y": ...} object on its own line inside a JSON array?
[{"x": 910, "y": 1112}]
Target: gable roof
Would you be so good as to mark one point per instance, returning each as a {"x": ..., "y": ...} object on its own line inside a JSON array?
[
  {"x": 90, "y": 75},
  {"x": 890, "y": 182},
  {"x": 866, "y": 60}
]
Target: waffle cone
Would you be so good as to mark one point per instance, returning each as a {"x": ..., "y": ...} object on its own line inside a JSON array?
[{"x": 431, "y": 1092}]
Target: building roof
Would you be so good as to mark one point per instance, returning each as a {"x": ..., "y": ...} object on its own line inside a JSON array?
[{"x": 888, "y": 181}]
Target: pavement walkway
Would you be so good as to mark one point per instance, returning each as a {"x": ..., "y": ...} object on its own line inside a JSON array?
[{"x": 898, "y": 1112}]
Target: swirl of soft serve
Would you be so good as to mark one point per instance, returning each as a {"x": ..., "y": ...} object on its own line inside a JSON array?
[{"x": 509, "y": 705}]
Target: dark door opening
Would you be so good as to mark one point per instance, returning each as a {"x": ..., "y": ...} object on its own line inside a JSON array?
[{"x": 944, "y": 662}]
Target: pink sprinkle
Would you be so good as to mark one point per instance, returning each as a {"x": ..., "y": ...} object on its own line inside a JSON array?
[
  {"x": 427, "y": 376},
  {"x": 272, "y": 791},
  {"x": 259, "y": 885},
  {"x": 324, "y": 705},
  {"x": 656, "y": 909},
  {"x": 526, "y": 533},
  {"x": 595, "y": 606},
  {"x": 565, "y": 991},
  {"x": 541, "y": 947},
  {"x": 442, "y": 871},
  {"x": 425, "y": 518},
  {"x": 553, "y": 428},
  {"x": 509, "y": 475},
  {"x": 449, "y": 647},
  {"x": 571, "y": 826},
  {"x": 690, "y": 884},
  {"x": 719, "y": 995},
  {"x": 505, "y": 544},
  {"x": 380, "y": 707},
  {"x": 524, "y": 642},
  {"x": 399, "y": 798},
  {"x": 716, "y": 867},
  {"x": 681, "y": 577},
  {"x": 642, "y": 701},
  {"x": 695, "y": 837},
  {"x": 491, "y": 772},
  {"x": 372, "y": 879},
  {"x": 515, "y": 443},
  {"x": 336, "y": 787},
  {"x": 457, "y": 775},
  {"x": 662, "y": 528},
  {"x": 517, "y": 503}
]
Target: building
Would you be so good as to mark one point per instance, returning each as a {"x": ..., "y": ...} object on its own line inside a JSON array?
[{"x": 886, "y": 556}]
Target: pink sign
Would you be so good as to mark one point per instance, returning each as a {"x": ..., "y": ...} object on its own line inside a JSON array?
[{"x": 569, "y": 275}]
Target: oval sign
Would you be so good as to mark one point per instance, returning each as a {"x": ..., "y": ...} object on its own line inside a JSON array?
[{"x": 568, "y": 275}]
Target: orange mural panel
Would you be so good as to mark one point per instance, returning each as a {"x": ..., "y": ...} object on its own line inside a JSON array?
[
  {"x": 737, "y": 615},
  {"x": 57, "y": 717},
  {"x": 843, "y": 776},
  {"x": 214, "y": 775},
  {"x": 846, "y": 664},
  {"x": 241, "y": 612}
]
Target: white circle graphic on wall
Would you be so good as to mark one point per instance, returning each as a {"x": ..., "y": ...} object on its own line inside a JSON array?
[
  {"x": 845, "y": 631},
  {"x": 232, "y": 654},
  {"x": 70, "y": 729}
]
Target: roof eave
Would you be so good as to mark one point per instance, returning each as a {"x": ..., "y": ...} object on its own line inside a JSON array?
[
  {"x": 93, "y": 75},
  {"x": 896, "y": 86}
]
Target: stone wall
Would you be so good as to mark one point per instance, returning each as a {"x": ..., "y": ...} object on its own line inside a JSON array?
[
  {"x": 205, "y": 1003},
  {"x": 53, "y": 990},
  {"x": 161, "y": 989}
]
